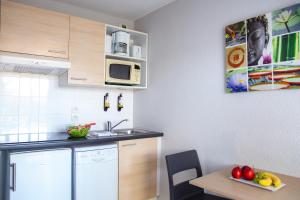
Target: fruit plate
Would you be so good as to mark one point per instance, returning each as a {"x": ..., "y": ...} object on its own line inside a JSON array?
[{"x": 269, "y": 188}]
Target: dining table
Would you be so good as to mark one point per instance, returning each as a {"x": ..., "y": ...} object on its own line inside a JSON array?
[{"x": 219, "y": 183}]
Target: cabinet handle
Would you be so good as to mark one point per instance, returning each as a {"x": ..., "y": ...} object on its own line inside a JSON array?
[
  {"x": 56, "y": 51},
  {"x": 78, "y": 79},
  {"x": 13, "y": 166},
  {"x": 128, "y": 145}
]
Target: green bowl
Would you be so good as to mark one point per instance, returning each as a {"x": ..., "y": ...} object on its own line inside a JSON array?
[{"x": 75, "y": 133}]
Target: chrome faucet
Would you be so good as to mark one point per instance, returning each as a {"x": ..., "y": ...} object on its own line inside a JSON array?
[{"x": 109, "y": 126}]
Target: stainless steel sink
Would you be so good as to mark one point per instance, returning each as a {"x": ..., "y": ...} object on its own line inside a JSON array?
[
  {"x": 130, "y": 131},
  {"x": 97, "y": 134},
  {"x": 118, "y": 132}
]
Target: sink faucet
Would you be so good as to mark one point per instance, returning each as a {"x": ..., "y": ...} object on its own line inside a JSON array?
[{"x": 109, "y": 126}]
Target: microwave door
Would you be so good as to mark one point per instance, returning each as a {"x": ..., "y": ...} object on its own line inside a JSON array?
[{"x": 120, "y": 73}]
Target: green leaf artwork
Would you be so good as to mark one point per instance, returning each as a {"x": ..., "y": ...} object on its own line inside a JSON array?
[
  {"x": 286, "y": 20},
  {"x": 286, "y": 48}
]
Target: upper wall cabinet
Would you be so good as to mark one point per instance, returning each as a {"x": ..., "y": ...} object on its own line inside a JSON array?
[
  {"x": 86, "y": 53},
  {"x": 29, "y": 30}
]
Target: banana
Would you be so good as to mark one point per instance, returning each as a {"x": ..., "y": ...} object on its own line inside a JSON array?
[
  {"x": 275, "y": 179},
  {"x": 265, "y": 182}
]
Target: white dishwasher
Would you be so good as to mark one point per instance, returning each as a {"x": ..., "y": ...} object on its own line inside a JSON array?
[{"x": 96, "y": 170}]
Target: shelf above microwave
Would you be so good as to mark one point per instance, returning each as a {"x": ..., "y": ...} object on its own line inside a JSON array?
[{"x": 125, "y": 57}]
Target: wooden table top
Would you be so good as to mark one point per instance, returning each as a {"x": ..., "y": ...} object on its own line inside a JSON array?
[{"x": 219, "y": 183}]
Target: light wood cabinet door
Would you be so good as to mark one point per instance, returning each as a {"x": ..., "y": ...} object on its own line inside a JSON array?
[
  {"x": 86, "y": 52},
  {"x": 30, "y": 30},
  {"x": 137, "y": 169}
]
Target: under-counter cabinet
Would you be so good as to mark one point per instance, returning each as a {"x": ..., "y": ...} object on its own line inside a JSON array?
[
  {"x": 86, "y": 53},
  {"x": 40, "y": 175},
  {"x": 34, "y": 31},
  {"x": 138, "y": 169}
]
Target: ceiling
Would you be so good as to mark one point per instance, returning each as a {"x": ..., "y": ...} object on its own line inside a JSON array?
[{"x": 128, "y": 9}]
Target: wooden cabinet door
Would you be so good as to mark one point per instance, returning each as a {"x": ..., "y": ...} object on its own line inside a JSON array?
[
  {"x": 137, "y": 169},
  {"x": 86, "y": 52},
  {"x": 29, "y": 30}
]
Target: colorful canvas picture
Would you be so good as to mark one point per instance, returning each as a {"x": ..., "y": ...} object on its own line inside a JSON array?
[
  {"x": 286, "y": 48},
  {"x": 236, "y": 80},
  {"x": 263, "y": 52},
  {"x": 287, "y": 74},
  {"x": 258, "y": 40},
  {"x": 235, "y": 34},
  {"x": 286, "y": 20},
  {"x": 236, "y": 57},
  {"x": 260, "y": 78}
]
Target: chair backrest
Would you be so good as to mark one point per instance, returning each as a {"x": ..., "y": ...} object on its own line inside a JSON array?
[{"x": 180, "y": 162}]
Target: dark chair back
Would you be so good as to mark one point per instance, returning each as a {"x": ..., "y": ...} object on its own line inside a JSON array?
[{"x": 180, "y": 162}]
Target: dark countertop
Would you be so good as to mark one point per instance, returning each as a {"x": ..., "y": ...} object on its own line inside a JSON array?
[{"x": 57, "y": 140}]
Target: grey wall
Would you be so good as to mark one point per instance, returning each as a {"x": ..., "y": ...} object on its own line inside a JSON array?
[
  {"x": 186, "y": 98},
  {"x": 77, "y": 11}
]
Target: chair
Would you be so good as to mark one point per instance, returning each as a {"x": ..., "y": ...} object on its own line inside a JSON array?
[{"x": 180, "y": 162}]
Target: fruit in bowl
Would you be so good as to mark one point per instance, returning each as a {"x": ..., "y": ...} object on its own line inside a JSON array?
[
  {"x": 261, "y": 178},
  {"x": 79, "y": 131}
]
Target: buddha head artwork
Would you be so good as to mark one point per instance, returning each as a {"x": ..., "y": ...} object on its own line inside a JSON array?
[{"x": 258, "y": 39}]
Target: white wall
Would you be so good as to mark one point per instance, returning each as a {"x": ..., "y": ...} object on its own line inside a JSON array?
[
  {"x": 186, "y": 98},
  {"x": 77, "y": 11},
  {"x": 36, "y": 104}
]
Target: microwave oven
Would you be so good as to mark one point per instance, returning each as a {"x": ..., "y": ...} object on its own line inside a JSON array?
[{"x": 120, "y": 72}]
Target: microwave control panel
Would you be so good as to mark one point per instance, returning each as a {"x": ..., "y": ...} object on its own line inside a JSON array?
[{"x": 137, "y": 73}]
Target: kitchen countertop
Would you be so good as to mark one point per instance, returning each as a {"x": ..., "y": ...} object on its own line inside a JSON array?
[{"x": 56, "y": 140}]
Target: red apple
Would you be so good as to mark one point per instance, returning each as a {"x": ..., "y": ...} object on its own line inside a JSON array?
[
  {"x": 236, "y": 172},
  {"x": 244, "y": 168},
  {"x": 248, "y": 173}
]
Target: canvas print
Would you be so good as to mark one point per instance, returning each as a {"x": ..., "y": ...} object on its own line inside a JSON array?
[
  {"x": 236, "y": 57},
  {"x": 235, "y": 34},
  {"x": 286, "y": 20},
  {"x": 236, "y": 80},
  {"x": 288, "y": 75},
  {"x": 258, "y": 40},
  {"x": 286, "y": 48},
  {"x": 263, "y": 52},
  {"x": 260, "y": 78}
]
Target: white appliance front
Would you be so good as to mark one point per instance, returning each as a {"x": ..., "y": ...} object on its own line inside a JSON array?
[
  {"x": 41, "y": 175},
  {"x": 120, "y": 42},
  {"x": 11, "y": 62},
  {"x": 96, "y": 173}
]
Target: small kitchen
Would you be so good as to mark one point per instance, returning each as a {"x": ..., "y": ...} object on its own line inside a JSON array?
[
  {"x": 149, "y": 100},
  {"x": 66, "y": 124}
]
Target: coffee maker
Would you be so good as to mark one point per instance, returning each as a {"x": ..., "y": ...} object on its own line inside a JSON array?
[{"x": 120, "y": 40}]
